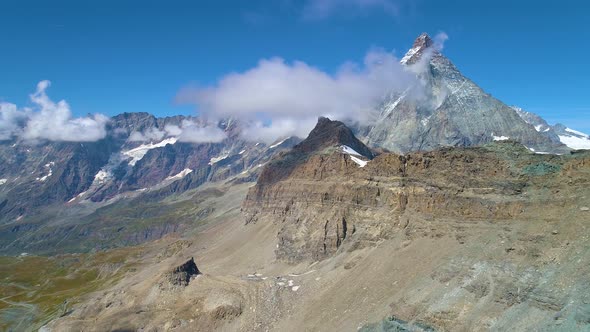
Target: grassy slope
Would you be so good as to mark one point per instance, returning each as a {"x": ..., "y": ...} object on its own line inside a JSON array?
[{"x": 34, "y": 288}]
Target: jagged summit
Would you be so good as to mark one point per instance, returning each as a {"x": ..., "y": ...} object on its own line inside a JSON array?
[
  {"x": 328, "y": 133},
  {"x": 423, "y": 40},
  {"x": 327, "y": 137},
  {"x": 421, "y": 44}
]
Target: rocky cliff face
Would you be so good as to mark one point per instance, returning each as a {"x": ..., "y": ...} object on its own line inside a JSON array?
[
  {"x": 446, "y": 109},
  {"x": 328, "y": 202}
]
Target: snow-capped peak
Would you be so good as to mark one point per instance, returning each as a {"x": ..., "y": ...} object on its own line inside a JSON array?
[
  {"x": 578, "y": 133},
  {"x": 420, "y": 44},
  {"x": 575, "y": 139}
]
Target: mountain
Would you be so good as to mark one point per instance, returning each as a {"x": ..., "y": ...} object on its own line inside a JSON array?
[
  {"x": 446, "y": 109},
  {"x": 47, "y": 188},
  {"x": 325, "y": 137},
  {"x": 558, "y": 133}
]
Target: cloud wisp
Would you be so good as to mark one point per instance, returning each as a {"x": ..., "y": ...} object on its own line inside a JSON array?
[
  {"x": 48, "y": 120},
  {"x": 277, "y": 97},
  {"x": 321, "y": 9}
]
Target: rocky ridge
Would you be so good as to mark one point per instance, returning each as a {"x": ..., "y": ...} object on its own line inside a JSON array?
[{"x": 327, "y": 202}]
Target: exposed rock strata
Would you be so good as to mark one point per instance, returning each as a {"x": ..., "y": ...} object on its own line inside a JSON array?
[{"x": 327, "y": 202}]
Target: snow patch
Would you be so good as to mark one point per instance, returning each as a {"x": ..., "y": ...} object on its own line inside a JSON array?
[
  {"x": 579, "y": 133},
  {"x": 577, "y": 143},
  {"x": 218, "y": 159},
  {"x": 242, "y": 152},
  {"x": 139, "y": 152},
  {"x": 409, "y": 55},
  {"x": 50, "y": 173},
  {"x": 348, "y": 150},
  {"x": 279, "y": 143},
  {"x": 359, "y": 162},
  {"x": 180, "y": 175},
  {"x": 78, "y": 196},
  {"x": 3, "y": 181},
  {"x": 102, "y": 176},
  {"x": 500, "y": 138},
  {"x": 389, "y": 108}
]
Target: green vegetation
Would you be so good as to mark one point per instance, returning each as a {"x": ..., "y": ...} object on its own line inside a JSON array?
[
  {"x": 393, "y": 324},
  {"x": 541, "y": 169},
  {"x": 34, "y": 289}
]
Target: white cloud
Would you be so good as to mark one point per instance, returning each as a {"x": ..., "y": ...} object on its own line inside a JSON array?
[
  {"x": 173, "y": 130},
  {"x": 287, "y": 97},
  {"x": 11, "y": 119},
  {"x": 194, "y": 133},
  {"x": 319, "y": 9},
  {"x": 439, "y": 40},
  {"x": 188, "y": 131},
  {"x": 150, "y": 135},
  {"x": 283, "y": 127},
  {"x": 49, "y": 121}
]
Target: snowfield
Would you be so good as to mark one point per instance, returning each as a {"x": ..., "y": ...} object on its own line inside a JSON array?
[{"x": 139, "y": 152}]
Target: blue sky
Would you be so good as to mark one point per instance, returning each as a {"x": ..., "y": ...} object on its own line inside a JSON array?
[{"x": 115, "y": 56}]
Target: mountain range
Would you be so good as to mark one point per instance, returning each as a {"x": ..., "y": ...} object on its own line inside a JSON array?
[
  {"x": 47, "y": 187},
  {"x": 41, "y": 180}
]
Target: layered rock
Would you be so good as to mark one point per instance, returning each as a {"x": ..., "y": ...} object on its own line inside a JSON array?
[{"x": 327, "y": 202}]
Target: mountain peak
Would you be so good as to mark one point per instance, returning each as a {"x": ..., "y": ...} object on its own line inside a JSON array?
[
  {"x": 422, "y": 43},
  {"x": 332, "y": 133}
]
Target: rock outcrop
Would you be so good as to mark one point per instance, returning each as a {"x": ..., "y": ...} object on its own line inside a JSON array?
[{"x": 181, "y": 275}]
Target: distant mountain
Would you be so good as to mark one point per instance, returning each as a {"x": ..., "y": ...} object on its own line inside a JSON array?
[
  {"x": 558, "y": 133},
  {"x": 447, "y": 109},
  {"x": 47, "y": 182}
]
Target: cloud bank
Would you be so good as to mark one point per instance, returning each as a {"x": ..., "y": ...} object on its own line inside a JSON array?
[
  {"x": 48, "y": 120},
  {"x": 277, "y": 98}
]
